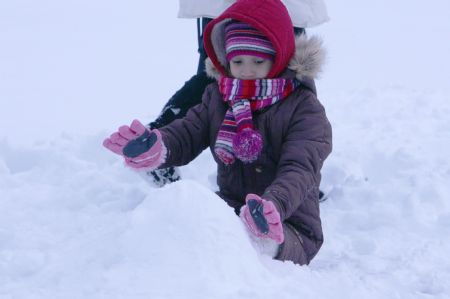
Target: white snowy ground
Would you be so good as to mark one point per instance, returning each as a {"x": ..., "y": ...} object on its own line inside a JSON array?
[{"x": 75, "y": 223}]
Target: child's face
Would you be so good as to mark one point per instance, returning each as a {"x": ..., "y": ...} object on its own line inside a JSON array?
[{"x": 247, "y": 67}]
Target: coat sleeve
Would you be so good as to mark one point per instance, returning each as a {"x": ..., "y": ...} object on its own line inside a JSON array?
[
  {"x": 187, "y": 137},
  {"x": 306, "y": 144}
]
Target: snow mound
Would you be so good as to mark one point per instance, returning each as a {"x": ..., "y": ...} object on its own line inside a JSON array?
[
  {"x": 77, "y": 224},
  {"x": 78, "y": 228},
  {"x": 188, "y": 240}
]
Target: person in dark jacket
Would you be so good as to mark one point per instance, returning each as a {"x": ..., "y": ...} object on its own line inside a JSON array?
[{"x": 266, "y": 129}]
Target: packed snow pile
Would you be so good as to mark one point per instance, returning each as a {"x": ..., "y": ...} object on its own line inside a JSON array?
[{"x": 77, "y": 224}]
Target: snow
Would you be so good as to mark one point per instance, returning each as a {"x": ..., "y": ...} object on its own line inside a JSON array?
[{"x": 76, "y": 223}]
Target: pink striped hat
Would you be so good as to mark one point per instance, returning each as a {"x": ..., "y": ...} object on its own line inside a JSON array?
[{"x": 243, "y": 39}]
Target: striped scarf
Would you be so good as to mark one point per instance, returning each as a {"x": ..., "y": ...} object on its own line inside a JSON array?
[{"x": 237, "y": 137}]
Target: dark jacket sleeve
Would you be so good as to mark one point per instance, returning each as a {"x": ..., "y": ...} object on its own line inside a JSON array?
[
  {"x": 306, "y": 144},
  {"x": 187, "y": 137},
  {"x": 183, "y": 100}
]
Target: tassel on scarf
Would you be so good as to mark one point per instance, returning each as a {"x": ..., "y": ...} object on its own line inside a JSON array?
[{"x": 237, "y": 137}]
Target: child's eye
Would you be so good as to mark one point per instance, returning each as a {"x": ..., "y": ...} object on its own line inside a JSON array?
[
  {"x": 259, "y": 61},
  {"x": 236, "y": 61}
]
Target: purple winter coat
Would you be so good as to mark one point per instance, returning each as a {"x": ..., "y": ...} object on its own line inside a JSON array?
[{"x": 297, "y": 140}]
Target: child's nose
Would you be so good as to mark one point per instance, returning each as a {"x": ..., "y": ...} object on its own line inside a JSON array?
[{"x": 248, "y": 71}]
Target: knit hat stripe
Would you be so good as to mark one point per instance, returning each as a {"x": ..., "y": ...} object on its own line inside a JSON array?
[
  {"x": 243, "y": 39},
  {"x": 250, "y": 44}
]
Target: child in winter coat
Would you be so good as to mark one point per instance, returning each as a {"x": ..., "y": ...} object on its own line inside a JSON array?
[
  {"x": 303, "y": 13},
  {"x": 267, "y": 131}
]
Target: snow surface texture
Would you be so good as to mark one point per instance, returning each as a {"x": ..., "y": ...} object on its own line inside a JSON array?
[{"x": 75, "y": 223}]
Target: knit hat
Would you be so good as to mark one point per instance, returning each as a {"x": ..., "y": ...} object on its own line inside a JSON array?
[{"x": 243, "y": 39}]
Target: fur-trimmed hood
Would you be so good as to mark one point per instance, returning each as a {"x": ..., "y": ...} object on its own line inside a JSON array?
[
  {"x": 306, "y": 62},
  {"x": 270, "y": 17}
]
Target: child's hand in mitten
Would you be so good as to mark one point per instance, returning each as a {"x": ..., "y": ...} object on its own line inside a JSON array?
[
  {"x": 262, "y": 218},
  {"x": 141, "y": 148}
]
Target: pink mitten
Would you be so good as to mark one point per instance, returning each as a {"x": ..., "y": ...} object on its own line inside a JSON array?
[
  {"x": 262, "y": 218},
  {"x": 141, "y": 148}
]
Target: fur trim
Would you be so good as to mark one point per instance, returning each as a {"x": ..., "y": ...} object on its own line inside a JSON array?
[
  {"x": 308, "y": 58},
  {"x": 211, "y": 70},
  {"x": 307, "y": 61}
]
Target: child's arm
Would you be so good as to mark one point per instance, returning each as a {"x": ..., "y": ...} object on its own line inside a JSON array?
[
  {"x": 306, "y": 145},
  {"x": 176, "y": 144}
]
